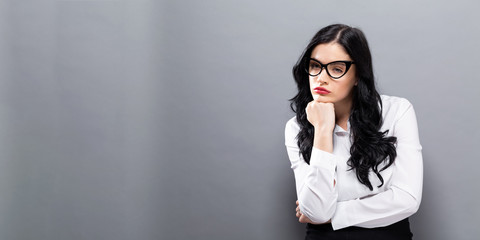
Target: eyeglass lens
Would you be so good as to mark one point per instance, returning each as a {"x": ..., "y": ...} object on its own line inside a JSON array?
[{"x": 334, "y": 69}]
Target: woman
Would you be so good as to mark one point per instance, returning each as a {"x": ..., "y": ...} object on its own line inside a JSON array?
[{"x": 355, "y": 154}]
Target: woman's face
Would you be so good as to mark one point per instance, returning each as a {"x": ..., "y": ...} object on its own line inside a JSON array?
[{"x": 339, "y": 89}]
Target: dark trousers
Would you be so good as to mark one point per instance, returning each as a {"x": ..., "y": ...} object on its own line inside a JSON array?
[{"x": 396, "y": 231}]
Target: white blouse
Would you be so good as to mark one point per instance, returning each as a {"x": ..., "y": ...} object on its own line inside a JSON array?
[{"x": 350, "y": 203}]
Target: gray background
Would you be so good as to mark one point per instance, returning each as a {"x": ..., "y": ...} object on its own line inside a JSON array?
[{"x": 165, "y": 120}]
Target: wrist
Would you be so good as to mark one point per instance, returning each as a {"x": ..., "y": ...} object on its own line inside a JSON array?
[
  {"x": 323, "y": 140},
  {"x": 323, "y": 131}
]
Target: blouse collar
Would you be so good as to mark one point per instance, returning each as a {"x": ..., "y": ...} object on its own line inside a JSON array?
[{"x": 339, "y": 129}]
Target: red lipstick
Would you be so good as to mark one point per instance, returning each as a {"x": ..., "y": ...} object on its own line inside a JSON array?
[{"x": 321, "y": 90}]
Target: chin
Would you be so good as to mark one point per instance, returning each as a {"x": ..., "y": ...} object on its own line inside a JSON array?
[{"x": 315, "y": 96}]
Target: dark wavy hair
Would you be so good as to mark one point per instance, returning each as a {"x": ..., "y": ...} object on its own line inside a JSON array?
[{"x": 370, "y": 147}]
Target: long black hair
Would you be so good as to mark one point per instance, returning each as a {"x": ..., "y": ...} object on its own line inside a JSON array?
[{"x": 370, "y": 147}]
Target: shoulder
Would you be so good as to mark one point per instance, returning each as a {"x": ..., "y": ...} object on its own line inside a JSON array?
[
  {"x": 292, "y": 123},
  {"x": 395, "y": 109},
  {"x": 394, "y": 106},
  {"x": 393, "y": 101},
  {"x": 291, "y": 130}
]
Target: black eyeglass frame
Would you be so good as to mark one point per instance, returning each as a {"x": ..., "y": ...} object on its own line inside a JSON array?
[{"x": 348, "y": 64}]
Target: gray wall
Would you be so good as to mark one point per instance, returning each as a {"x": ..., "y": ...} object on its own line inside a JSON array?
[{"x": 164, "y": 120}]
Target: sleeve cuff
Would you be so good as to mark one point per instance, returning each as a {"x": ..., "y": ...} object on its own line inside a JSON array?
[
  {"x": 341, "y": 218},
  {"x": 322, "y": 159}
]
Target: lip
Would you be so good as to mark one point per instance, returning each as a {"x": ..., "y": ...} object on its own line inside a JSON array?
[{"x": 321, "y": 90}]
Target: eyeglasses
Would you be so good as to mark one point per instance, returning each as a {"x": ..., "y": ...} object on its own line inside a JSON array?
[{"x": 335, "y": 69}]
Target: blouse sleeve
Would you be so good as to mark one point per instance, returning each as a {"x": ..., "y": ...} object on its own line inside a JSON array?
[
  {"x": 403, "y": 197},
  {"x": 316, "y": 193}
]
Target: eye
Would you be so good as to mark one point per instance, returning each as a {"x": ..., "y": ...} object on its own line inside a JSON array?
[
  {"x": 338, "y": 70},
  {"x": 314, "y": 65}
]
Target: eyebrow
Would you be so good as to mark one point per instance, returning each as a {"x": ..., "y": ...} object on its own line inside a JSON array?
[{"x": 331, "y": 61}]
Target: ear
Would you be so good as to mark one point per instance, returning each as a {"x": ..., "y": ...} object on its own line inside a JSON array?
[{"x": 356, "y": 83}]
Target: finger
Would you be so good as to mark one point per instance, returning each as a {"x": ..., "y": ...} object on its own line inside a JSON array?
[{"x": 304, "y": 219}]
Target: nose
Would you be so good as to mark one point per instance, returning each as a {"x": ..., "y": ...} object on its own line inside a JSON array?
[{"x": 323, "y": 77}]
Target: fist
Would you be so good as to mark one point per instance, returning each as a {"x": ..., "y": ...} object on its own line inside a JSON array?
[
  {"x": 321, "y": 115},
  {"x": 301, "y": 218}
]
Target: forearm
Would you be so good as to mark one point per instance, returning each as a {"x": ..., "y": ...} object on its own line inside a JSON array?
[
  {"x": 317, "y": 194},
  {"x": 378, "y": 210}
]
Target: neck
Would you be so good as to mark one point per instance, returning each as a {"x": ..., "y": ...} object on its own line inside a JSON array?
[{"x": 342, "y": 111}]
